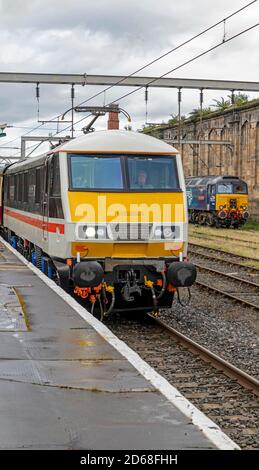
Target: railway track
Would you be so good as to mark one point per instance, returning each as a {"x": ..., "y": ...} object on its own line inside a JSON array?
[
  {"x": 225, "y": 261},
  {"x": 238, "y": 241},
  {"x": 214, "y": 275},
  {"x": 225, "y": 393},
  {"x": 234, "y": 287},
  {"x": 224, "y": 255},
  {"x": 230, "y": 370}
]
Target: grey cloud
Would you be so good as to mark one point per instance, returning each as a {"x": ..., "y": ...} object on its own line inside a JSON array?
[{"x": 116, "y": 37}]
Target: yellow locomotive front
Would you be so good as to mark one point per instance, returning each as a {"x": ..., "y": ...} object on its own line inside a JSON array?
[
  {"x": 232, "y": 202},
  {"x": 127, "y": 222}
]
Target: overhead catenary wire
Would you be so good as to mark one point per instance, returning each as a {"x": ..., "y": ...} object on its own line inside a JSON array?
[
  {"x": 188, "y": 62},
  {"x": 178, "y": 67},
  {"x": 174, "y": 49},
  {"x": 145, "y": 66},
  {"x": 167, "y": 73}
]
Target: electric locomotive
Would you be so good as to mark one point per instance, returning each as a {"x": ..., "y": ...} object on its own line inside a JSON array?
[
  {"x": 220, "y": 201},
  {"x": 104, "y": 214}
]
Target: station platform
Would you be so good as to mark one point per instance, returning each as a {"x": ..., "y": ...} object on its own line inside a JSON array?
[{"x": 67, "y": 383}]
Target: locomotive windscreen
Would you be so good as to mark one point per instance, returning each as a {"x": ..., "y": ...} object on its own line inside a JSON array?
[
  {"x": 153, "y": 173},
  {"x": 239, "y": 187},
  {"x": 94, "y": 172},
  {"x": 104, "y": 172}
]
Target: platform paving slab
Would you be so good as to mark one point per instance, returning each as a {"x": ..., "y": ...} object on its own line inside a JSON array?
[{"x": 63, "y": 386}]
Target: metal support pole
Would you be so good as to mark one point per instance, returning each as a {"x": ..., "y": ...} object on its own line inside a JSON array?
[
  {"x": 233, "y": 131},
  {"x": 146, "y": 100},
  {"x": 72, "y": 107},
  {"x": 233, "y": 97},
  {"x": 201, "y": 104},
  {"x": 38, "y": 99},
  {"x": 40, "y": 139},
  {"x": 179, "y": 117},
  {"x": 23, "y": 148}
]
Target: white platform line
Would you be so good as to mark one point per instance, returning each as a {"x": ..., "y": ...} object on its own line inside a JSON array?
[{"x": 197, "y": 417}]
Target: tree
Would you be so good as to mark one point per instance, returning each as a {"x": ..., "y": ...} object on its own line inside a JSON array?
[
  {"x": 195, "y": 113},
  {"x": 174, "y": 119},
  {"x": 222, "y": 104},
  {"x": 240, "y": 99}
]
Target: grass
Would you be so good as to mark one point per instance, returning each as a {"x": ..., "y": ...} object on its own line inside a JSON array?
[
  {"x": 245, "y": 236},
  {"x": 250, "y": 225},
  {"x": 238, "y": 242}
]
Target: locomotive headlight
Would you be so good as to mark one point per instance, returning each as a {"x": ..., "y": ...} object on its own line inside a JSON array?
[
  {"x": 101, "y": 232},
  {"x": 158, "y": 233},
  {"x": 221, "y": 207},
  {"x": 165, "y": 232},
  {"x": 168, "y": 232},
  {"x": 90, "y": 232},
  {"x": 222, "y": 214}
]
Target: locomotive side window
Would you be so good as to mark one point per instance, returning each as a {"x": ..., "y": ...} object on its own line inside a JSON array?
[
  {"x": 25, "y": 187},
  {"x": 15, "y": 188},
  {"x": 11, "y": 187},
  {"x": 20, "y": 187},
  {"x": 213, "y": 189},
  {"x": 54, "y": 177},
  {"x": 55, "y": 203},
  {"x": 38, "y": 188},
  {"x": 32, "y": 184}
]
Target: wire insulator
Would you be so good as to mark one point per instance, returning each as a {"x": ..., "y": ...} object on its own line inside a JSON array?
[
  {"x": 224, "y": 31},
  {"x": 37, "y": 91},
  {"x": 146, "y": 94},
  {"x": 146, "y": 100},
  {"x": 201, "y": 97},
  {"x": 72, "y": 92},
  {"x": 38, "y": 99}
]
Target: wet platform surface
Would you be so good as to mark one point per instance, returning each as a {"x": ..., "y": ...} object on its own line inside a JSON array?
[{"x": 62, "y": 386}]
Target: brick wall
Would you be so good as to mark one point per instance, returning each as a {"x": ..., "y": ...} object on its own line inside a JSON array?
[{"x": 240, "y": 126}]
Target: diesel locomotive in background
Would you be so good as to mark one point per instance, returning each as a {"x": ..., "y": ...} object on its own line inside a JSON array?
[{"x": 220, "y": 201}]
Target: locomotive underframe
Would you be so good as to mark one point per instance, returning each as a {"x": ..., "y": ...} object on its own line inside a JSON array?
[
  {"x": 217, "y": 218},
  {"x": 127, "y": 284}
]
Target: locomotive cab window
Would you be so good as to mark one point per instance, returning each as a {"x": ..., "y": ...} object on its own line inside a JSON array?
[
  {"x": 95, "y": 172},
  {"x": 240, "y": 187},
  {"x": 153, "y": 173},
  {"x": 232, "y": 188},
  {"x": 225, "y": 188},
  {"x": 145, "y": 173}
]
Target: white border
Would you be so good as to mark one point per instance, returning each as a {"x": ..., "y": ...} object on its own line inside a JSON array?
[{"x": 197, "y": 417}]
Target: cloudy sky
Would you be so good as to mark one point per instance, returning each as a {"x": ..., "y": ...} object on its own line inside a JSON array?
[{"x": 117, "y": 37}]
